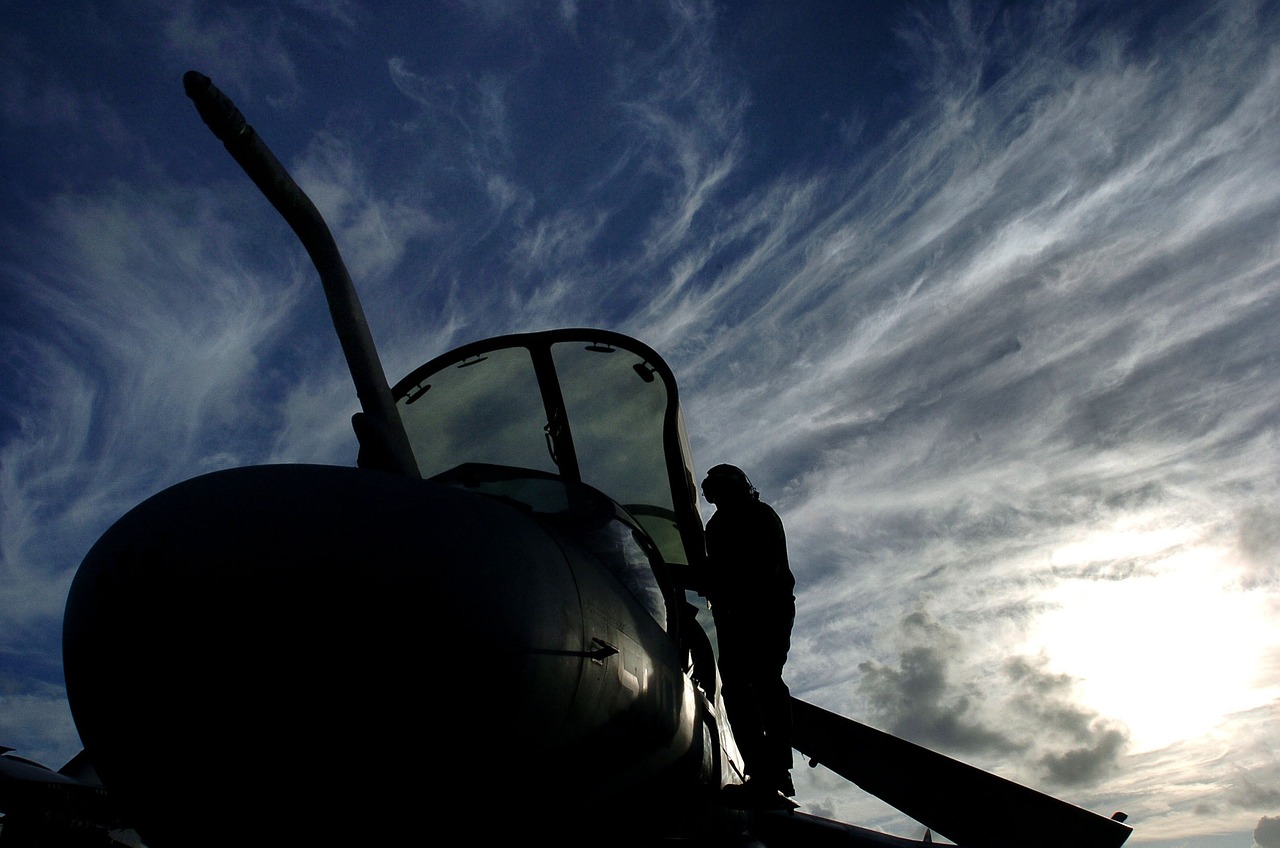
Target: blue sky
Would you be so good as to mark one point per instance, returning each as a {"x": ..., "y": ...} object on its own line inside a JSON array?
[{"x": 982, "y": 296}]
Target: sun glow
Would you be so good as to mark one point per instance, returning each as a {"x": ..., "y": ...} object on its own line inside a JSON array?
[{"x": 1170, "y": 653}]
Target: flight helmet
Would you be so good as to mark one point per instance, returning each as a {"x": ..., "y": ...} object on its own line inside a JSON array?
[{"x": 727, "y": 482}]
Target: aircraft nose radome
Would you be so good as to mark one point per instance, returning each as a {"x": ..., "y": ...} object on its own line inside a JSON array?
[{"x": 303, "y": 638}]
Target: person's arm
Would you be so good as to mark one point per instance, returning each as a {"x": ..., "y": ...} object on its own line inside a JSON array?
[{"x": 691, "y": 578}]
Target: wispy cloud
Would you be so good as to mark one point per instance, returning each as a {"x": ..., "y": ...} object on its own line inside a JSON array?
[
  {"x": 244, "y": 46},
  {"x": 1042, "y": 306},
  {"x": 157, "y": 327},
  {"x": 1015, "y": 342}
]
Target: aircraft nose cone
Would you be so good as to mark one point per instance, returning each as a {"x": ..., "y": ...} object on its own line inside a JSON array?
[{"x": 304, "y": 638}]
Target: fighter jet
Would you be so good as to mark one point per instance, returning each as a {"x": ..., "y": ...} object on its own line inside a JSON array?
[{"x": 488, "y": 629}]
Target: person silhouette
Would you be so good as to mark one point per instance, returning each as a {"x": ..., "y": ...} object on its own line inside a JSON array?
[{"x": 750, "y": 589}]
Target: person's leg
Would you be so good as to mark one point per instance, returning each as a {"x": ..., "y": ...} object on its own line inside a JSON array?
[
  {"x": 773, "y": 698},
  {"x": 740, "y": 703}
]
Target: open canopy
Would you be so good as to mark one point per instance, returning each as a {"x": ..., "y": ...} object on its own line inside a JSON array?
[{"x": 588, "y": 406}]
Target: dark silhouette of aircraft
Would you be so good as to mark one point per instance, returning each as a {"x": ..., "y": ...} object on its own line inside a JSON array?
[{"x": 486, "y": 630}]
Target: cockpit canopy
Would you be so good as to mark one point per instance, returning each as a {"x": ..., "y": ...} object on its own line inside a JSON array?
[{"x": 584, "y": 406}]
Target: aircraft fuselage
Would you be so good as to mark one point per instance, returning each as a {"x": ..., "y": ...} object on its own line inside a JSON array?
[{"x": 306, "y": 644}]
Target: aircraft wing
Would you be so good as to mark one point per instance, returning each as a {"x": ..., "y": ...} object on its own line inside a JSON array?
[
  {"x": 45, "y": 807},
  {"x": 967, "y": 805},
  {"x": 793, "y": 829}
]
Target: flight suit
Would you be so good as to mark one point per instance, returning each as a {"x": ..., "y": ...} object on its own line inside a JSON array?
[{"x": 751, "y": 592}]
